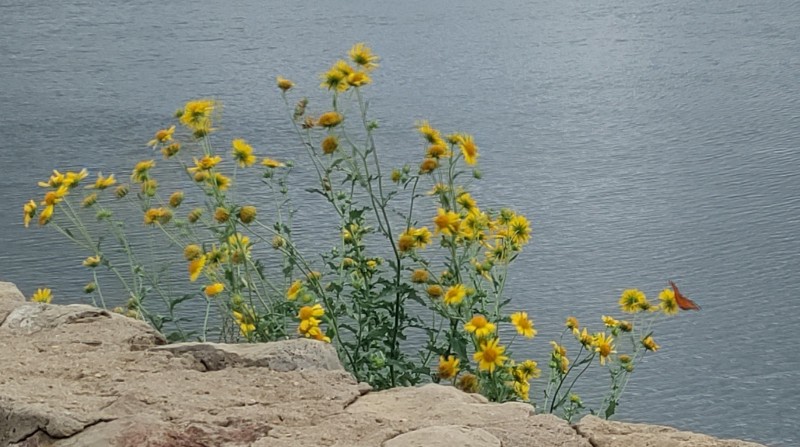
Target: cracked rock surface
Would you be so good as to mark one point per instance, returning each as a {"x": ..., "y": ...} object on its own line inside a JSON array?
[{"x": 79, "y": 376}]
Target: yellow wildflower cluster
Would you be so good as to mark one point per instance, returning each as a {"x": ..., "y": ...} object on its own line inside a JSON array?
[
  {"x": 309, "y": 322},
  {"x": 341, "y": 76}
]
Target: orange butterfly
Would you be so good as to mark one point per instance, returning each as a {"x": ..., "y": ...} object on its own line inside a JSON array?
[{"x": 683, "y": 302}]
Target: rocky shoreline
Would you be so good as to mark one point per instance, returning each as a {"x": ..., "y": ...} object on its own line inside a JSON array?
[{"x": 76, "y": 375}]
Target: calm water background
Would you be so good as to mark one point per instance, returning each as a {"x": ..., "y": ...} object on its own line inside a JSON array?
[{"x": 646, "y": 141}]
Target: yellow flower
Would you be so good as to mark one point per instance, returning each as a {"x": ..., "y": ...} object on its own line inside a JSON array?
[
  {"x": 214, "y": 289},
  {"x": 419, "y": 276},
  {"x": 468, "y": 149},
  {"x": 625, "y": 326},
  {"x": 468, "y": 383},
  {"x": 362, "y": 55},
  {"x": 197, "y": 115},
  {"x": 149, "y": 187},
  {"x": 437, "y": 151},
  {"x": 245, "y": 322},
  {"x": 294, "y": 290},
  {"x": 631, "y": 300},
  {"x": 196, "y": 267},
  {"x": 480, "y": 326},
  {"x": 313, "y": 331},
  {"x": 175, "y": 199},
  {"x": 330, "y": 119},
  {"x": 522, "y": 390},
  {"x": 205, "y": 163},
  {"x": 330, "y": 144},
  {"x": 584, "y": 337},
  {"x": 519, "y": 230},
  {"x": 141, "y": 170},
  {"x": 247, "y": 214},
  {"x": 243, "y": 153},
  {"x": 604, "y": 346},
  {"x": 668, "y": 303},
  {"x": 466, "y": 202},
  {"x": 432, "y": 135},
  {"x": 221, "y": 215},
  {"x": 42, "y": 296},
  {"x": 283, "y": 83},
  {"x": 434, "y": 291},
  {"x": 46, "y": 215},
  {"x": 162, "y": 136},
  {"x": 220, "y": 181},
  {"x": 448, "y": 368},
  {"x": 572, "y": 323},
  {"x": 121, "y": 191},
  {"x": 103, "y": 182},
  {"x": 490, "y": 355},
  {"x": 194, "y": 215},
  {"x": 192, "y": 252},
  {"x": 422, "y": 237},
  {"x": 650, "y": 344},
  {"x": 335, "y": 78},
  {"x": 610, "y": 321},
  {"x": 523, "y": 325},
  {"x": 28, "y": 210},
  {"x": 529, "y": 370},
  {"x": 310, "y": 312},
  {"x": 71, "y": 179},
  {"x": 454, "y": 294},
  {"x": 55, "y": 180},
  {"x": 270, "y": 163},
  {"x": 160, "y": 215},
  {"x": 405, "y": 242},
  {"x": 428, "y": 165},
  {"x": 92, "y": 261},
  {"x": 171, "y": 150},
  {"x": 559, "y": 357},
  {"x": 447, "y": 222},
  {"x": 358, "y": 78}
]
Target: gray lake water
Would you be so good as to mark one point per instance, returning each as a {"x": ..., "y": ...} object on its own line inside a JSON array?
[{"x": 645, "y": 140}]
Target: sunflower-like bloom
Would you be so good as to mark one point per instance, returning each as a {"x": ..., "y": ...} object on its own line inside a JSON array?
[
  {"x": 585, "y": 338},
  {"x": 468, "y": 383},
  {"x": 294, "y": 290},
  {"x": 454, "y": 294},
  {"x": 430, "y": 134},
  {"x": 419, "y": 276},
  {"x": 480, "y": 326},
  {"x": 330, "y": 119},
  {"x": 92, "y": 261},
  {"x": 46, "y": 214},
  {"x": 197, "y": 115},
  {"x": 358, "y": 78},
  {"x": 283, "y": 83},
  {"x": 650, "y": 344},
  {"x": 522, "y": 390},
  {"x": 103, "y": 182},
  {"x": 528, "y": 370},
  {"x": 28, "y": 211},
  {"x": 468, "y": 149},
  {"x": 247, "y": 214},
  {"x": 220, "y": 181},
  {"x": 632, "y": 300},
  {"x": 610, "y": 321},
  {"x": 71, "y": 179},
  {"x": 572, "y": 324},
  {"x": 405, "y": 242},
  {"x": 428, "y": 165},
  {"x": 448, "y": 367},
  {"x": 558, "y": 358},
  {"x": 270, "y": 163},
  {"x": 466, "y": 202},
  {"x": 42, "y": 296},
  {"x": 196, "y": 267},
  {"x": 243, "y": 153},
  {"x": 194, "y": 215},
  {"x": 160, "y": 215},
  {"x": 214, "y": 289},
  {"x": 245, "y": 320},
  {"x": 603, "y": 345},
  {"x": 308, "y": 316},
  {"x": 422, "y": 237},
  {"x": 192, "y": 252},
  {"x": 523, "y": 325},
  {"x": 434, "y": 291},
  {"x": 171, "y": 150},
  {"x": 55, "y": 180},
  {"x": 330, "y": 144},
  {"x": 141, "y": 171},
  {"x": 447, "y": 222},
  {"x": 162, "y": 136},
  {"x": 490, "y": 355},
  {"x": 519, "y": 230},
  {"x": 362, "y": 55},
  {"x": 206, "y": 163},
  {"x": 437, "y": 151},
  {"x": 668, "y": 303}
]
